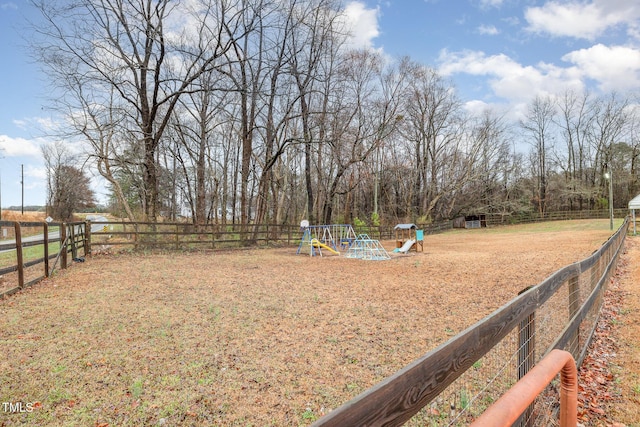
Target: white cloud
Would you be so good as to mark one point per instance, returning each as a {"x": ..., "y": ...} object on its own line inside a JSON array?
[
  {"x": 477, "y": 107},
  {"x": 509, "y": 79},
  {"x": 362, "y": 25},
  {"x": 39, "y": 124},
  {"x": 491, "y": 3},
  {"x": 489, "y": 30},
  {"x": 38, "y": 173},
  {"x": 513, "y": 21},
  {"x": 184, "y": 21},
  {"x": 613, "y": 67},
  {"x": 579, "y": 19},
  {"x": 14, "y": 147}
]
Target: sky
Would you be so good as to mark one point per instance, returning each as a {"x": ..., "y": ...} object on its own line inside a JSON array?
[{"x": 498, "y": 54}]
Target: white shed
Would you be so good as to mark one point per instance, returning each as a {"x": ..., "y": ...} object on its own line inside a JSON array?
[{"x": 633, "y": 205}]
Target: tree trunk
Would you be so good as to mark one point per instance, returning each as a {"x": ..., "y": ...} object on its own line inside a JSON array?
[{"x": 150, "y": 181}]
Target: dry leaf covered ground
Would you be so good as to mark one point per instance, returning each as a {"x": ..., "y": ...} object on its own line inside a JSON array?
[
  {"x": 254, "y": 337},
  {"x": 610, "y": 376}
]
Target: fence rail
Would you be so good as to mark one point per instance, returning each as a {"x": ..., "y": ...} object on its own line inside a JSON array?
[
  {"x": 189, "y": 236},
  {"x": 39, "y": 236},
  {"x": 527, "y": 217},
  {"x": 141, "y": 235}
]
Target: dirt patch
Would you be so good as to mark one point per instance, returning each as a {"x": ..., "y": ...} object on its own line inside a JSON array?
[{"x": 262, "y": 337}]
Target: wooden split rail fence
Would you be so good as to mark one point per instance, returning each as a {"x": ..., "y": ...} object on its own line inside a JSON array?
[{"x": 37, "y": 248}]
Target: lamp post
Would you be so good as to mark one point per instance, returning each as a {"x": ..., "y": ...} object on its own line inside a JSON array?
[{"x": 609, "y": 176}]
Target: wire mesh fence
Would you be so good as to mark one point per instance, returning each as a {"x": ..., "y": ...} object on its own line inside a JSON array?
[{"x": 455, "y": 383}]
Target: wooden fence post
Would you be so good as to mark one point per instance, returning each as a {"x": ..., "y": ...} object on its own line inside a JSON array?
[
  {"x": 87, "y": 238},
  {"x": 526, "y": 355},
  {"x": 63, "y": 246},
  {"x": 72, "y": 240},
  {"x": 574, "y": 306},
  {"x": 267, "y": 233},
  {"x": 136, "y": 237},
  {"x": 19, "y": 257},
  {"x": 45, "y": 229}
]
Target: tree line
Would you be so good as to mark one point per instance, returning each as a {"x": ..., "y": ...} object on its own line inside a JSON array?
[{"x": 260, "y": 111}]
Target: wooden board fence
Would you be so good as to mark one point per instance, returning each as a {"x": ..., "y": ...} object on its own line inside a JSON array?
[{"x": 70, "y": 238}]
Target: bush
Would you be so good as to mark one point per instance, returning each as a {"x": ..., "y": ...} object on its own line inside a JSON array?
[
  {"x": 375, "y": 219},
  {"x": 357, "y": 222}
]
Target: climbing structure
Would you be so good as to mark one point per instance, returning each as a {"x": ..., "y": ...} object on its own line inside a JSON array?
[
  {"x": 330, "y": 237},
  {"x": 368, "y": 249}
]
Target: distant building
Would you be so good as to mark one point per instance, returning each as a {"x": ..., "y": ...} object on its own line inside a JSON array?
[{"x": 470, "y": 221}]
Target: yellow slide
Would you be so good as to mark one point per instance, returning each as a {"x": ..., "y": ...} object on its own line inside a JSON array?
[{"x": 316, "y": 244}]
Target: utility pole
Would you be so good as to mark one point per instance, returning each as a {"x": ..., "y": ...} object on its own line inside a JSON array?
[
  {"x": 611, "y": 200},
  {"x": 22, "y": 184},
  {"x": 609, "y": 176}
]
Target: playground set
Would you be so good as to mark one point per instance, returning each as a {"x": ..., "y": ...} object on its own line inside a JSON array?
[
  {"x": 331, "y": 238},
  {"x": 368, "y": 249},
  {"x": 336, "y": 237},
  {"x": 408, "y": 237}
]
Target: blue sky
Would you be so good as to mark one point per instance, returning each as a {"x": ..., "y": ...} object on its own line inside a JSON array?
[
  {"x": 20, "y": 102},
  {"x": 498, "y": 54}
]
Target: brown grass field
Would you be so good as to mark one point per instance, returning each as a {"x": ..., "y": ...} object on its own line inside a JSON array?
[
  {"x": 26, "y": 216},
  {"x": 258, "y": 336}
]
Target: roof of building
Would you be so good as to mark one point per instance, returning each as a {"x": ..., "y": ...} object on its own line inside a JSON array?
[
  {"x": 635, "y": 202},
  {"x": 405, "y": 227}
]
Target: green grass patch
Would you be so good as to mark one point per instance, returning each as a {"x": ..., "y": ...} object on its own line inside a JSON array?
[{"x": 29, "y": 253}]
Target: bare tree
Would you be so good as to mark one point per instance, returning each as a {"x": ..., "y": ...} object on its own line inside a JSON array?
[
  {"x": 491, "y": 163},
  {"x": 314, "y": 54},
  {"x": 634, "y": 142},
  {"x": 538, "y": 126},
  {"x": 278, "y": 102},
  {"x": 610, "y": 126},
  {"x": 194, "y": 130},
  {"x": 363, "y": 112},
  {"x": 68, "y": 186},
  {"x": 434, "y": 126},
  {"x": 575, "y": 119},
  {"x": 98, "y": 122},
  {"x": 132, "y": 49},
  {"x": 252, "y": 110}
]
